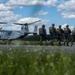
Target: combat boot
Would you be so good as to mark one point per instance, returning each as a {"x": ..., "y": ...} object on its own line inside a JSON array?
[
  {"x": 67, "y": 44},
  {"x": 64, "y": 43},
  {"x": 59, "y": 43},
  {"x": 72, "y": 43}
]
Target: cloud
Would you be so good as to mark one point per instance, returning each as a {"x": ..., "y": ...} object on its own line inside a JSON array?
[
  {"x": 42, "y": 13},
  {"x": 67, "y": 9},
  {"x": 8, "y": 16},
  {"x": 32, "y": 2},
  {"x": 64, "y": 26},
  {"x": 7, "y": 13},
  {"x": 28, "y": 20},
  {"x": 44, "y": 21},
  {"x": 68, "y": 14},
  {"x": 5, "y": 7}
]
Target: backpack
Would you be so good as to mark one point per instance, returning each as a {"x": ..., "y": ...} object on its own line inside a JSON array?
[
  {"x": 42, "y": 31},
  {"x": 67, "y": 31},
  {"x": 58, "y": 31},
  {"x": 52, "y": 30},
  {"x": 73, "y": 32}
]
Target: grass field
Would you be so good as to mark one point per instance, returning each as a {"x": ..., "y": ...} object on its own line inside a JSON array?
[
  {"x": 22, "y": 42},
  {"x": 19, "y": 42},
  {"x": 23, "y": 62}
]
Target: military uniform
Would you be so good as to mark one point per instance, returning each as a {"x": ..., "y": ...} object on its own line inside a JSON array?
[
  {"x": 52, "y": 31},
  {"x": 42, "y": 33},
  {"x": 60, "y": 33},
  {"x": 67, "y": 33},
  {"x": 73, "y": 37}
]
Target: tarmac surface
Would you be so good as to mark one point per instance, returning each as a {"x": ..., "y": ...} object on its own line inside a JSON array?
[{"x": 37, "y": 48}]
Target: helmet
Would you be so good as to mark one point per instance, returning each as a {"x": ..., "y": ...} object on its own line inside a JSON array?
[
  {"x": 43, "y": 25},
  {"x": 59, "y": 25},
  {"x": 53, "y": 24},
  {"x": 67, "y": 25}
]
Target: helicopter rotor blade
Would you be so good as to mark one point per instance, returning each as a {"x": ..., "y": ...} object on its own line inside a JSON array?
[
  {"x": 3, "y": 23},
  {"x": 34, "y": 22},
  {"x": 18, "y": 23},
  {"x": 27, "y": 23}
]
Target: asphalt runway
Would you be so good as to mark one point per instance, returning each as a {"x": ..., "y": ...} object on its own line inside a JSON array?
[{"x": 37, "y": 48}]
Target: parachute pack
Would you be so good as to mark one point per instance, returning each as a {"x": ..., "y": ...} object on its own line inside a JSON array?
[
  {"x": 51, "y": 30},
  {"x": 65, "y": 30},
  {"x": 73, "y": 32},
  {"x": 40, "y": 31},
  {"x": 58, "y": 31}
]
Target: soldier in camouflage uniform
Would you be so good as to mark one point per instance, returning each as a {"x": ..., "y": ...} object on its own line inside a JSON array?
[
  {"x": 73, "y": 36},
  {"x": 60, "y": 33},
  {"x": 42, "y": 33},
  {"x": 52, "y": 31},
  {"x": 67, "y": 33}
]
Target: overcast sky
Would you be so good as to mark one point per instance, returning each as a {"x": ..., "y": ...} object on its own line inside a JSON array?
[{"x": 60, "y": 12}]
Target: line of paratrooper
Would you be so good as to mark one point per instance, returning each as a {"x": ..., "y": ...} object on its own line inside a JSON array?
[{"x": 58, "y": 34}]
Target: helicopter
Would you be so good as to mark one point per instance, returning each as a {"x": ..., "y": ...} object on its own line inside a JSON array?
[{"x": 13, "y": 34}]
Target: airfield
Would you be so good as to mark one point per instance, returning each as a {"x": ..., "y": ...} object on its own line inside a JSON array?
[
  {"x": 31, "y": 46},
  {"x": 34, "y": 48}
]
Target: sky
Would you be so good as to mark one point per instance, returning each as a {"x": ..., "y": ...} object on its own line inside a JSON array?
[{"x": 59, "y": 12}]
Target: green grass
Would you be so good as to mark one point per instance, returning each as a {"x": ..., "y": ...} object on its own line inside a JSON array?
[
  {"x": 20, "y": 42},
  {"x": 23, "y": 62}
]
